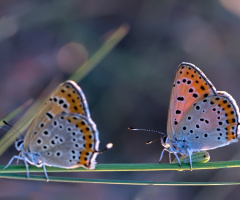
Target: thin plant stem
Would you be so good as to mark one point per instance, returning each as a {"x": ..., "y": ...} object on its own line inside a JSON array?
[
  {"x": 113, "y": 182},
  {"x": 129, "y": 167}
]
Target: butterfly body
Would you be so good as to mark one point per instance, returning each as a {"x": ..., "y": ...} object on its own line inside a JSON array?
[
  {"x": 62, "y": 134},
  {"x": 200, "y": 118}
]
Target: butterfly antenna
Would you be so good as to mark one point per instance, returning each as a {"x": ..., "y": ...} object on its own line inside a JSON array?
[
  {"x": 108, "y": 146},
  {"x": 154, "y": 140},
  {"x": 4, "y": 128},
  {"x": 19, "y": 133},
  {"x": 148, "y": 130}
]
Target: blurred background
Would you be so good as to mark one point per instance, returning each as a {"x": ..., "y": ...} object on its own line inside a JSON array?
[{"x": 43, "y": 42}]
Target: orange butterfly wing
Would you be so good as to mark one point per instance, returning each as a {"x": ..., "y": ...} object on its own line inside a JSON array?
[
  {"x": 67, "y": 97},
  {"x": 189, "y": 86}
]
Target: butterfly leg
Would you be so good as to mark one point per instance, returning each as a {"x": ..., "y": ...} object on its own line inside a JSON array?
[
  {"x": 12, "y": 159},
  {"x": 190, "y": 157},
  {"x": 26, "y": 165},
  {"x": 175, "y": 154},
  {"x": 170, "y": 150},
  {"x": 45, "y": 172},
  {"x": 18, "y": 158},
  {"x": 162, "y": 155},
  {"x": 169, "y": 158}
]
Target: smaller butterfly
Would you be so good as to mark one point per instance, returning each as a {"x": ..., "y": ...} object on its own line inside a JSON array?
[{"x": 62, "y": 134}]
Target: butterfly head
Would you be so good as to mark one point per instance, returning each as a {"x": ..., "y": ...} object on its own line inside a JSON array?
[
  {"x": 32, "y": 158},
  {"x": 165, "y": 142}
]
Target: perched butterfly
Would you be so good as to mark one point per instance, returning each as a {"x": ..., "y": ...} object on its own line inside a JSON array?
[
  {"x": 199, "y": 117},
  {"x": 62, "y": 134}
]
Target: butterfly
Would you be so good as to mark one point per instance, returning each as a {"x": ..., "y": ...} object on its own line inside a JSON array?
[
  {"x": 62, "y": 133},
  {"x": 199, "y": 117}
]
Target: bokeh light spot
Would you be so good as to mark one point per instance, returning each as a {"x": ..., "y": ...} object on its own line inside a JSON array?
[{"x": 71, "y": 56}]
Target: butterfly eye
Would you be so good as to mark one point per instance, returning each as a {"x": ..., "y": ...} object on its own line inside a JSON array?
[
  {"x": 18, "y": 144},
  {"x": 164, "y": 139}
]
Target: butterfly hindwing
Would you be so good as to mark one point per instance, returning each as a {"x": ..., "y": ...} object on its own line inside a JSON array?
[
  {"x": 209, "y": 123},
  {"x": 69, "y": 140}
]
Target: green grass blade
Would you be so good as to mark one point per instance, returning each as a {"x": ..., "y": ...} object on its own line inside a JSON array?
[
  {"x": 108, "y": 45},
  {"x": 16, "y": 111},
  {"x": 112, "y": 182},
  {"x": 129, "y": 167},
  {"x": 19, "y": 127},
  {"x": 8, "y": 138},
  {"x": 9, "y": 173}
]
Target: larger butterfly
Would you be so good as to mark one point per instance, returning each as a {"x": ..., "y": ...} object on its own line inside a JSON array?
[
  {"x": 62, "y": 134},
  {"x": 199, "y": 117}
]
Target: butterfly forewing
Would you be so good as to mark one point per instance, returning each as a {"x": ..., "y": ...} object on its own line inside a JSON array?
[
  {"x": 209, "y": 123},
  {"x": 67, "y": 97},
  {"x": 189, "y": 86},
  {"x": 68, "y": 141}
]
